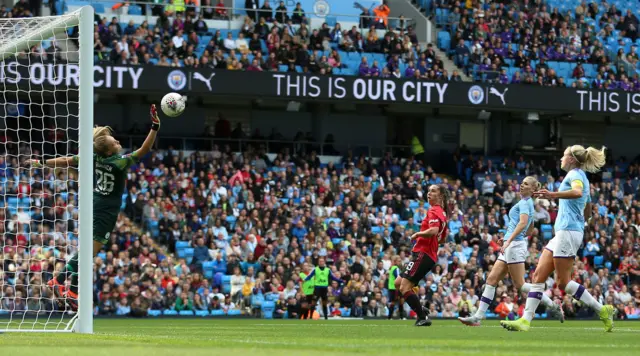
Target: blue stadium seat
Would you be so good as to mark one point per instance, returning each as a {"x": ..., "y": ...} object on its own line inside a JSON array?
[
  {"x": 169, "y": 312},
  {"x": 182, "y": 244},
  {"x": 154, "y": 313},
  {"x": 226, "y": 284},
  {"x": 217, "y": 313},
  {"x": 135, "y": 10},
  {"x": 444, "y": 40},
  {"x": 547, "y": 231},
  {"x": 98, "y": 8},
  {"x": 202, "y": 313},
  {"x": 267, "y": 309},
  {"x": 186, "y": 313},
  {"x": 598, "y": 261},
  {"x": 188, "y": 254},
  {"x": 234, "y": 312}
]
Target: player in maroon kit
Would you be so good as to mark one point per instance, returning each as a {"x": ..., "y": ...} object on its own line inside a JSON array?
[{"x": 433, "y": 232}]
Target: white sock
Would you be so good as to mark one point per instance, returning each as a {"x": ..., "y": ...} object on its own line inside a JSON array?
[
  {"x": 533, "y": 300},
  {"x": 545, "y": 298},
  {"x": 580, "y": 293},
  {"x": 487, "y": 298}
]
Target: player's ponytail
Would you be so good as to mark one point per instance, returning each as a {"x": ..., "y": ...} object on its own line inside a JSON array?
[
  {"x": 100, "y": 134},
  {"x": 588, "y": 159},
  {"x": 446, "y": 197}
]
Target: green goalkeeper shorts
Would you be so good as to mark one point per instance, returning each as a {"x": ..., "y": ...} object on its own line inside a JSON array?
[{"x": 103, "y": 224}]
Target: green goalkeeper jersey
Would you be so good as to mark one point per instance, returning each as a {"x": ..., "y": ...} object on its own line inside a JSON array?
[{"x": 110, "y": 177}]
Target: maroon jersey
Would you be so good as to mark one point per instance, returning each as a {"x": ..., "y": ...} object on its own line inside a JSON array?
[{"x": 429, "y": 245}]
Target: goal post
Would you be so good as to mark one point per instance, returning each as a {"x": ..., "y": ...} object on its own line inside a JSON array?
[
  {"x": 50, "y": 214},
  {"x": 85, "y": 179}
]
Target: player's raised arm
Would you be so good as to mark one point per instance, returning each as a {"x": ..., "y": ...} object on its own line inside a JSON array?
[
  {"x": 151, "y": 137},
  {"x": 60, "y": 162}
]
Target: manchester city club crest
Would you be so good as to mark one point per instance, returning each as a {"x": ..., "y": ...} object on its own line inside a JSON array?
[
  {"x": 177, "y": 80},
  {"x": 321, "y": 8},
  {"x": 476, "y": 94}
]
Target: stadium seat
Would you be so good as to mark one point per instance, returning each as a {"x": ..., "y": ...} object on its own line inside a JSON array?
[
  {"x": 188, "y": 254},
  {"x": 169, "y": 312},
  {"x": 202, "y": 313},
  {"x": 547, "y": 231},
  {"x": 598, "y": 261},
  {"x": 217, "y": 313},
  {"x": 234, "y": 312},
  {"x": 98, "y": 8},
  {"x": 226, "y": 284},
  {"x": 257, "y": 300},
  {"x": 154, "y": 313},
  {"x": 267, "y": 309},
  {"x": 135, "y": 10},
  {"x": 186, "y": 313}
]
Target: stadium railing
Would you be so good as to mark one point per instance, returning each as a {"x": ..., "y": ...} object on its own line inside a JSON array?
[{"x": 132, "y": 10}]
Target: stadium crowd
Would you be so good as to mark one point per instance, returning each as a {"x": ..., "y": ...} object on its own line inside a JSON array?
[
  {"x": 582, "y": 44},
  {"x": 221, "y": 232},
  {"x": 271, "y": 40}
]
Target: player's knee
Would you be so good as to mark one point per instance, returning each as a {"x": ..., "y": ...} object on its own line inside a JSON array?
[
  {"x": 562, "y": 284},
  {"x": 518, "y": 284},
  {"x": 405, "y": 286},
  {"x": 536, "y": 277}
]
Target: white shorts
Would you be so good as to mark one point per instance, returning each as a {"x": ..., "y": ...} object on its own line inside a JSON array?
[
  {"x": 516, "y": 253},
  {"x": 565, "y": 244}
]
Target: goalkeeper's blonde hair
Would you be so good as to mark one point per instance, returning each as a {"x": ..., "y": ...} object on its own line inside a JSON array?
[{"x": 100, "y": 135}]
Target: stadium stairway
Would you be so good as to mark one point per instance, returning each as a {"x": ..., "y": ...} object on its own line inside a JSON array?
[
  {"x": 400, "y": 7},
  {"x": 448, "y": 63}
]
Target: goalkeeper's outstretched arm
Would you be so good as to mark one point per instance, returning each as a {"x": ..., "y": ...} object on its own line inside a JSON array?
[
  {"x": 147, "y": 145},
  {"x": 60, "y": 162}
]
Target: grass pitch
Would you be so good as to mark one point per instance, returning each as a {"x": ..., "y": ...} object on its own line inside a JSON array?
[{"x": 253, "y": 337}]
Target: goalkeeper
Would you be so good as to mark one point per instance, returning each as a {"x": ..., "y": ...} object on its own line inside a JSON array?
[{"x": 110, "y": 168}]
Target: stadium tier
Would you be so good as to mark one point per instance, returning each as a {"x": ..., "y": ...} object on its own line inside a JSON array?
[{"x": 580, "y": 44}]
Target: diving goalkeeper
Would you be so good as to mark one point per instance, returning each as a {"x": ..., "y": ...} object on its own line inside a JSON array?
[{"x": 110, "y": 169}]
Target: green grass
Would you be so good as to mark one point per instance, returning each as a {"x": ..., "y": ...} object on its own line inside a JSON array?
[{"x": 253, "y": 337}]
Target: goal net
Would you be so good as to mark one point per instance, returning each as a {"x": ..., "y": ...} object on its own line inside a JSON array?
[{"x": 46, "y": 78}]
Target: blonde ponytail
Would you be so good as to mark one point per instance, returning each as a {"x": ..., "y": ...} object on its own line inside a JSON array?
[
  {"x": 595, "y": 159},
  {"x": 588, "y": 159}
]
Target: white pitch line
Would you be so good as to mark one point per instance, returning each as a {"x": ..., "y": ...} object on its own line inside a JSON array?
[{"x": 435, "y": 325}]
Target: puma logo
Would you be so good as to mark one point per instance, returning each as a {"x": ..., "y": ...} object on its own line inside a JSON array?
[{"x": 500, "y": 95}]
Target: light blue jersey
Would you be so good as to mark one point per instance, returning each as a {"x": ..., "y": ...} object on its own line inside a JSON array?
[
  {"x": 571, "y": 211},
  {"x": 524, "y": 206}
]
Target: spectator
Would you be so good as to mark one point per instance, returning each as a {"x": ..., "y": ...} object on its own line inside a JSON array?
[{"x": 229, "y": 43}]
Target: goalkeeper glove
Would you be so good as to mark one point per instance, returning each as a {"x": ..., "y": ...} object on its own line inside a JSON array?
[
  {"x": 155, "y": 120},
  {"x": 35, "y": 163}
]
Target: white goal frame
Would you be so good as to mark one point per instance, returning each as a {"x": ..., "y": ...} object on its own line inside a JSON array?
[{"x": 82, "y": 321}]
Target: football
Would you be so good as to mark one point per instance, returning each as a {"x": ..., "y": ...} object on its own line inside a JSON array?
[{"x": 173, "y": 104}]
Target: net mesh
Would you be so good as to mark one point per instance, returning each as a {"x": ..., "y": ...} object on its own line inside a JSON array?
[{"x": 38, "y": 207}]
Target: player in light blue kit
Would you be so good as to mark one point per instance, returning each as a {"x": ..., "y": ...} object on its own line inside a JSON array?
[
  {"x": 574, "y": 207},
  {"x": 513, "y": 254}
]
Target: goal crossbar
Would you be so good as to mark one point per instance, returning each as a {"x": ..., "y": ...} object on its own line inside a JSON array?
[{"x": 55, "y": 26}]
